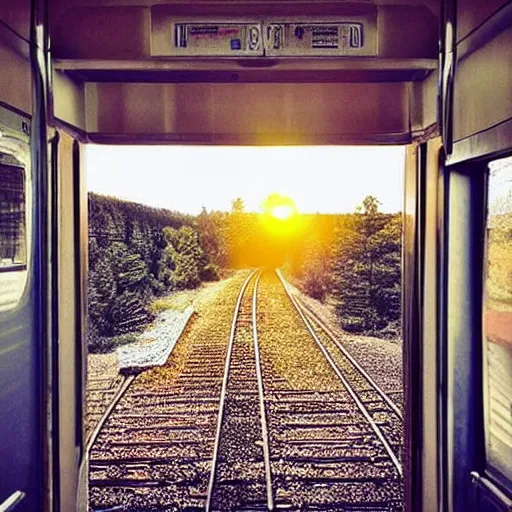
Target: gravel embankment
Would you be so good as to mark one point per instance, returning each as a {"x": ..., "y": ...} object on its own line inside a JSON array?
[
  {"x": 156, "y": 344},
  {"x": 381, "y": 358}
]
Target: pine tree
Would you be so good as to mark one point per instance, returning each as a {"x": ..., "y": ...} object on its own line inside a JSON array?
[{"x": 366, "y": 271}]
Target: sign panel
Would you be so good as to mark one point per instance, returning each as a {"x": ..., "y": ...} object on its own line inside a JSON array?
[{"x": 322, "y": 37}]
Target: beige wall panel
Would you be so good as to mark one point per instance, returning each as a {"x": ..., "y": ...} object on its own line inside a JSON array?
[
  {"x": 189, "y": 109},
  {"x": 483, "y": 90},
  {"x": 67, "y": 341},
  {"x": 406, "y": 31},
  {"x": 430, "y": 303},
  {"x": 429, "y": 100},
  {"x": 15, "y": 80},
  {"x": 16, "y": 14},
  {"x": 68, "y": 100},
  {"x": 102, "y": 33},
  {"x": 424, "y": 103},
  {"x": 248, "y": 109},
  {"x": 471, "y": 13}
]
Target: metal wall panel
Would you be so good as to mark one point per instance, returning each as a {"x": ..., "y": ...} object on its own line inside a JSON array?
[
  {"x": 431, "y": 291},
  {"x": 483, "y": 87},
  {"x": 256, "y": 113},
  {"x": 68, "y": 100},
  {"x": 20, "y": 354},
  {"x": 16, "y": 15},
  {"x": 122, "y": 32},
  {"x": 472, "y": 13},
  {"x": 15, "y": 89}
]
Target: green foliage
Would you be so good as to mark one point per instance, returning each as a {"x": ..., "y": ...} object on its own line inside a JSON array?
[
  {"x": 353, "y": 261},
  {"x": 210, "y": 272},
  {"x": 315, "y": 268},
  {"x": 102, "y": 345},
  {"x": 135, "y": 253},
  {"x": 366, "y": 276},
  {"x": 213, "y": 233},
  {"x": 183, "y": 258}
]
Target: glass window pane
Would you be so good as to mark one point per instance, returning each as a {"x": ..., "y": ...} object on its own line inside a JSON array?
[
  {"x": 13, "y": 230},
  {"x": 498, "y": 318}
]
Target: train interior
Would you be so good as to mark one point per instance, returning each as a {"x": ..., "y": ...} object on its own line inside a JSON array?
[{"x": 431, "y": 75}]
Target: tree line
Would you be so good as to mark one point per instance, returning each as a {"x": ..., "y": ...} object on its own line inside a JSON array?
[
  {"x": 357, "y": 269},
  {"x": 137, "y": 253},
  {"x": 352, "y": 261}
]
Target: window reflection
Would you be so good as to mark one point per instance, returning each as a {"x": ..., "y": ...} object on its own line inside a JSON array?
[
  {"x": 498, "y": 318},
  {"x": 13, "y": 236}
]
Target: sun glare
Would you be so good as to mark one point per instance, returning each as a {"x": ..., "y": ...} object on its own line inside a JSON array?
[{"x": 282, "y": 212}]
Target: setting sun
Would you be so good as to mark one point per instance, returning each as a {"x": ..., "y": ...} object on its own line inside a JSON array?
[
  {"x": 279, "y": 207},
  {"x": 282, "y": 212}
]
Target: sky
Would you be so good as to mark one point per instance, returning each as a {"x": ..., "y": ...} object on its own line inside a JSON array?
[{"x": 323, "y": 179}]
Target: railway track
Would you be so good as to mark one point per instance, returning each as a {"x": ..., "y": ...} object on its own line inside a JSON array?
[
  {"x": 335, "y": 448},
  {"x": 240, "y": 477},
  {"x": 238, "y": 430},
  {"x": 380, "y": 410},
  {"x": 154, "y": 450}
]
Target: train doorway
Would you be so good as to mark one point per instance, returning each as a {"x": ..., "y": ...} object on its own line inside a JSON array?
[{"x": 244, "y": 341}]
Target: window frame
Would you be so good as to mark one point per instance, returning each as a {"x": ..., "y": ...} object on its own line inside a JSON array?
[{"x": 495, "y": 476}]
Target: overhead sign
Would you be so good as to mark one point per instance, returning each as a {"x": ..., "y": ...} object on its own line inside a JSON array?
[{"x": 257, "y": 38}]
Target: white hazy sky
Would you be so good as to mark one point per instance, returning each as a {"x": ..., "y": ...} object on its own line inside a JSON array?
[{"x": 325, "y": 179}]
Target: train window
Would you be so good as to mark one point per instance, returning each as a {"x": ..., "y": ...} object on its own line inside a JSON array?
[
  {"x": 498, "y": 319},
  {"x": 13, "y": 229},
  {"x": 244, "y": 341}
]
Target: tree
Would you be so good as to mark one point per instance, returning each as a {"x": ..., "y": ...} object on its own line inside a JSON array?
[
  {"x": 213, "y": 236},
  {"x": 315, "y": 269},
  {"x": 237, "y": 205},
  {"x": 366, "y": 270},
  {"x": 183, "y": 259}
]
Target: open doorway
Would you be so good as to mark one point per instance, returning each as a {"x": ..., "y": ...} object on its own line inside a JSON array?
[{"x": 244, "y": 339}]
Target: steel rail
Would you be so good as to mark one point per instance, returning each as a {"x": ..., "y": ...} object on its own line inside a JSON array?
[
  {"x": 347, "y": 354},
  {"x": 223, "y": 393},
  {"x": 340, "y": 375},
  {"x": 263, "y": 416},
  {"x": 125, "y": 384}
]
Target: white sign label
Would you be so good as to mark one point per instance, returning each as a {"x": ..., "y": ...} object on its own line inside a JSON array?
[
  {"x": 308, "y": 39},
  {"x": 217, "y": 39}
]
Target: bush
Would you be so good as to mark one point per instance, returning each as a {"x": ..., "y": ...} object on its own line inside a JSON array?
[
  {"x": 128, "y": 313},
  {"x": 105, "y": 344},
  {"x": 315, "y": 285},
  {"x": 353, "y": 324},
  {"x": 391, "y": 331},
  {"x": 210, "y": 272}
]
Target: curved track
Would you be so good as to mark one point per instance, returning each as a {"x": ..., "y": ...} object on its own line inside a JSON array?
[{"x": 153, "y": 447}]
